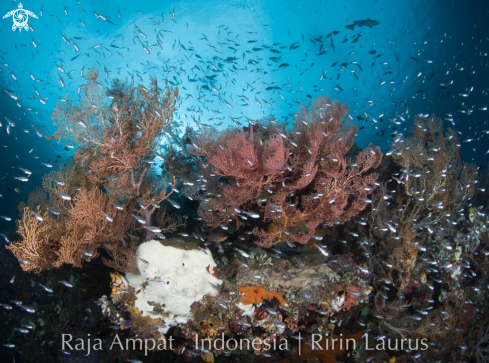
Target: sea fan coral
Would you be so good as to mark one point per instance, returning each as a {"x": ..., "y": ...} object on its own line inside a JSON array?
[
  {"x": 95, "y": 202},
  {"x": 300, "y": 178}
]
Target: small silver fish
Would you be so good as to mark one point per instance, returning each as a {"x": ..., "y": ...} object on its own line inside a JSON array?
[
  {"x": 80, "y": 122},
  {"x": 253, "y": 215},
  {"x": 139, "y": 219},
  {"x": 107, "y": 217},
  {"x": 28, "y": 308},
  {"x": 46, "y": 288},
  {"x": 57, "y": 181},
  {"x": 63, "y": 195},
  {"x": 117, "y": 206},
  {"x": 37, "y": 131},
  {"x": 86, "y": 253},
  {"x": 243, "y": 253},
  {"x": 66, "y": 283},
  {"x": 53, "y": 211},
  {"x": 38, "y": 217},
  {"x": 174, "y": 204},
  {"x": 27, "y": 171},
  {"x": 322, "y": 250},
  {"x": 391, "y": 228}
]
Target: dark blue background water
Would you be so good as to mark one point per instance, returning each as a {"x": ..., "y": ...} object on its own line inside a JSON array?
[{"x": 447, "y": 39}]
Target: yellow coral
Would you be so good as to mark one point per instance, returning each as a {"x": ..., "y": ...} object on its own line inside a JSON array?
[
  {"x": 472, "y": 215},
  {"x": 208, "y": 357},
  {"x": 117, "y": 283},
  {"x": 256, "y": 295}
]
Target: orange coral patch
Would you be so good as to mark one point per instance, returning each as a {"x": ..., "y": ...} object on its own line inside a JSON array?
[
  {"x": 351, "y": 299},
  {"x": 256, "y": 295}
]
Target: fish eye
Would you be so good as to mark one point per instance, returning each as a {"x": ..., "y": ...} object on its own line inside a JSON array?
[
  {"x": 201, "y": 323},
  {"x": 211, "y": 325}
]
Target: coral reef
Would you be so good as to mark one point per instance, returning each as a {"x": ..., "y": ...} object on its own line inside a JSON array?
[
  {"x": 298, "y": 178},
  {"x": 298, "y": 237},
  {"x": 107, "y": 197},
  {"x": 431, "y": 191}
]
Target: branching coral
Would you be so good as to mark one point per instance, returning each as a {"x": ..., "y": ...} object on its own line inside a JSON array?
[
  {"x": 95, "y": 200},
  {"x": 482, "y": 351},
  {"x": 74, "y": 235},
  {"x": 431, "y": 191},
  {"x": 251, "y": 163},
  {"x": 36, "y": 251},
  {"x": 434, "y": 177},
  {"x": 300, "y": 178},
  {"x": 118, "y": 142},
  {"x": 439, "y": 323}
]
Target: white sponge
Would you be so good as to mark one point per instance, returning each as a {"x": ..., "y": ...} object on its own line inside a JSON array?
[{"x": 176, "y": 276}]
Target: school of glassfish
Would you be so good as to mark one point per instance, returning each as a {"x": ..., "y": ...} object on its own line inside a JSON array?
[{"x": 311, "y": 234}]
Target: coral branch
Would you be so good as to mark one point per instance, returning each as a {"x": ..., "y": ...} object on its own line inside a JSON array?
[
  {"x": 301, "y": 178},
  {"x": 36, "y": 251},
  {"x": 92, "y": 201}
]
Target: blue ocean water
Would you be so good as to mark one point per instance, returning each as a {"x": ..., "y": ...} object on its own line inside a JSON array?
[{"x": 422, "y": 57}]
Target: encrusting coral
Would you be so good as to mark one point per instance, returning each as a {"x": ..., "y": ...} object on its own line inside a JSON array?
[{"x": 256, "y": 295}]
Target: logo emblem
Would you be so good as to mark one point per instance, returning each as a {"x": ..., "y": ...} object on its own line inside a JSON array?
[{"x": 20, "y": 18}]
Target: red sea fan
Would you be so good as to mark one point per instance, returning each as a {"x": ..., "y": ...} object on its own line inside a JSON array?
[{"x": 300, "y": 178}]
